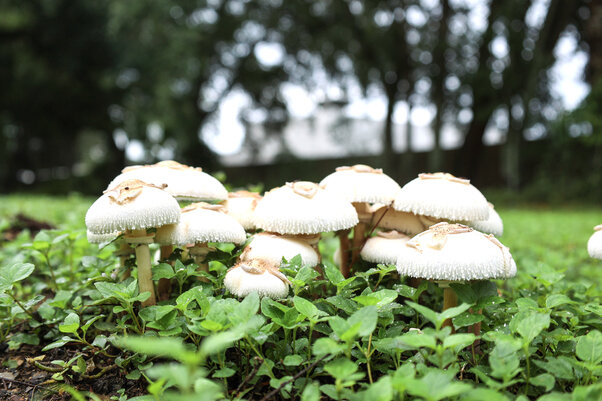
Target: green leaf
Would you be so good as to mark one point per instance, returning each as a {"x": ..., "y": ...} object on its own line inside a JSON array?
[
  {"x": 555, "y": 300},
  {"x": 367, "y": 317},
  {"x": 467, "y": 319},
  {"x": 481, "y": 394},
  {"x": 559, "y": 367},
  {"x": 418, "y": 340},
  {"x": 311, "y": 392},
  {"x": 456, "y": 340},
  {"x": 532, "y": 324},
  {"x": 333, "y": 273},
  {"x": 167, "y": 347},
  {"x": 340, "y": 368},
  {"x": 472, "y": 293},
  {"x": 453, "y": 312},
  {"x": 589, "y": 347},
  {"x": 58, "y": 343},
  {"x": 11, "y": 274},
  {"x": 429, "y": 314},
  {"x": 292, "y": 360},
  {"x": 223, "y": 373},
  {"x": 544, "y": 380},
  {"x": 163, "y": 270},
  {"x": 326, "y": 346},
  {"x": 437, "y": 385},
  {"x": 306, "y": 308},
  {"x": 382, "y": 390},
  {"x": 71, "y": 323},
  {"x": 378, "y": 298}
]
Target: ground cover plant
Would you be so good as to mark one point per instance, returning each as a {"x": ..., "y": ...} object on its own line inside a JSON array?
[{"x": 71, "y": 327}]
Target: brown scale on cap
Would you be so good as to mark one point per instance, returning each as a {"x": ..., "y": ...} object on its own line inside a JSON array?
[
  {"x": 304, "y": 188},
  {"x": 440, "y": 232},
  {"x": 361, "y": 168},
  {"x": 260, "y": 266},
  {"x": 204, "y": 206},
  {"x": 128, "y": 190},
  {"x": 174, "y": 165},
  {"x": 443, "y": 176},
  {"x": 598, "y": 227},
  {"x": 495, "y": 241}
]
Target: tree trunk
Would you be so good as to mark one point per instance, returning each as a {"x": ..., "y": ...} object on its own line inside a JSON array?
[
  {"x": 408, "y": 157},
  {"x": 389, "y": 159}
]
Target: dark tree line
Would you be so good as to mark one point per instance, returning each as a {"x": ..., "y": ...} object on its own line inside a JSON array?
[{"x": 73, "y": 74}]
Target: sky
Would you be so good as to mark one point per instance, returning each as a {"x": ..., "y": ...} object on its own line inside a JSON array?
[{"x": 225, "y": 134}]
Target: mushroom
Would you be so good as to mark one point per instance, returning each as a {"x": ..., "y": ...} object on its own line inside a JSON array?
[
  {"x": 361, "y": 185},
  {"x": 256, "y": 275},
  {"x": 184, "y": 183},
  {"x": 493, "y": 225},
  {"x": 384, "y": 247},
  {"x": 454, "y": 253},
  {"x": 273, "y": 247},
  {"x": 240, "y": 205},
  {"x": 441, "y": 196},
  {"x": 391, "y": 219},
  {"x": 133, "y": 207},
  {"x": 594, "y": 245},
  {"x": 199, "y": 224}
]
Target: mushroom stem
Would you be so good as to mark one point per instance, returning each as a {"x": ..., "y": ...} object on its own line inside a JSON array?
[
  {"x": 164, "y": 284},
  {"x": 450, "y": 300},
  {"x": 143, "y": 261},
  {"x": 199, "y": 253},
  {"x": 359, "y": 231},
  {"x": 344, "y": 247}
]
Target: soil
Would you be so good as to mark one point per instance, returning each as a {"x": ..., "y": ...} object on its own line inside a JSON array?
[
  {"x": 21, "y": 380},
  {"x": 21, "y": 222}
]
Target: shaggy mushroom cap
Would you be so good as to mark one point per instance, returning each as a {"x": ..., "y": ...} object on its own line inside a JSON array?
[
  {"x": 241, "y": 205},
  {"x": 391, "y": 219},
  {"x": 95, "y": 238},
  {"x": 256, "y": 275},
  {"x": 493, "y": 225},
  {"x": 132, "y": 205},
  {"x": 274, "y": 247},
  {"x": 303, "y": 208},
  {"x": 361, "y": 183},
  {"x": 384, "y": 247},
  {"x": 455, "y": 252},
  {"x": 594, "y": 245},
  {"x": 183, "y": 182},
  {"x": 201, "y": 222},
  {"x": 441, "y": 195}
]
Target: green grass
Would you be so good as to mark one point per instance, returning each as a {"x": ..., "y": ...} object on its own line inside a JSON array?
[{"x": 368, "y": 338}]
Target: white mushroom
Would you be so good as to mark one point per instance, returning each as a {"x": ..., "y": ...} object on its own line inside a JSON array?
[
  {"x": 384, "y": 247},
  {"x": 493, "y": 225},
  {"x": 303, "y": 208},
  {"x": 256, "y": 276},
  {"x": 594, "y": 245},
  {"x": 442, "y": 196},
  {"x": 183, "y": 182},
  {"x": 273, "y": 247},
  {"x": 241, "y": 205},
  {"x": 133, "y": 207}
]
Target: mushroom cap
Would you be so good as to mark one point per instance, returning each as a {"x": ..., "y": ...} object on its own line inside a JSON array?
[
  {"x": 303, "y": 208},
  {"x": 183, "y": 182},
  {"x": 132, "y": 205},
  {"x": 361, "y": 183},
  {"x": 241, "y": 205},
  {"x": 406, "y": 222},
  {"x": 256, "y": 275},
  {"x": 273, "y": 247},
  {"x": 493, "y": 225},
  {"x": 384, "y": 247},
  {"x": 201, "y": 222},
  {"x": 594, "y": 245},
  {"x": 455, "y": 252},
  {"x": 443, "y": 196},
  {"x": 95, "y": 238}
]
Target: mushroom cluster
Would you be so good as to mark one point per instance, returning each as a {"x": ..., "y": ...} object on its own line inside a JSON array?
[{"x": 422, "y": 227}]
